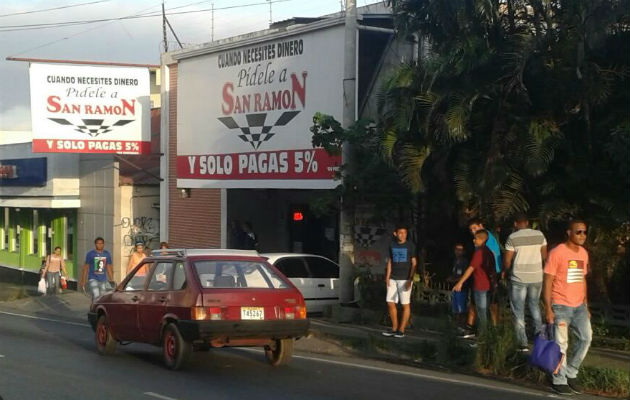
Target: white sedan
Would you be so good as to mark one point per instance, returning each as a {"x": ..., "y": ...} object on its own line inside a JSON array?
[{"x": 315, "y": 276}]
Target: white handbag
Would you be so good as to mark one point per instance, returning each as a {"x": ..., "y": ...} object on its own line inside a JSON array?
[{"x": 41, "y": 286}]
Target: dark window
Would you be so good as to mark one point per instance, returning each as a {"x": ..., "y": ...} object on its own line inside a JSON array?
[
  {"x": 179, "y": 277},
  {"x": 138, "y": 278},
  {"x": 161, "y": 276},
  {"x": 292, "y": 267},
  {"x": 322, "y": 268}
]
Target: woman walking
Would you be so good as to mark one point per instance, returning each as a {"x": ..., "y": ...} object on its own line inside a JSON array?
[{"x": 55, "y": 264}]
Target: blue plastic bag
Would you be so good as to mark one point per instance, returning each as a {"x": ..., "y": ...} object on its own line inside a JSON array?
[{"x": 546, "y": 353}]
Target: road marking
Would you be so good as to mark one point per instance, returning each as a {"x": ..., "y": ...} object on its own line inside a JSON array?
[
  {"x": 159, "y": 396},
  {"x": 44, "y": 319},
  {"x": 423, "y": 375}
]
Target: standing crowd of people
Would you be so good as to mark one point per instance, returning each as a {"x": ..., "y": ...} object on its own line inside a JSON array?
[{"x": 528, "y": 271}]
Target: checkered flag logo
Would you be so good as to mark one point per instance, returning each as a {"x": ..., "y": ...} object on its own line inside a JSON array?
[
  {"x": 366, "y": 236},
  {"x": 92, "y": 127},
  {"x": 256, "y": 132}
]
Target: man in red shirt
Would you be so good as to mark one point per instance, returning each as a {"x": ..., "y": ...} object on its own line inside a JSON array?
[
  {"x": 566, "y": 305},
  {"x": 483, "y": 271}
]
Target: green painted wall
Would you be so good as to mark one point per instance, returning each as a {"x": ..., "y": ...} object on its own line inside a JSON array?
[{"x": 25, "y": 257}]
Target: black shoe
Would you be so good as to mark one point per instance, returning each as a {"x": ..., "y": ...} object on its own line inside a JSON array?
[
  {"x": 523, "y": 349},
  {"x": 388, "y": 333},
  {"x": 466, "y": 334},
  {"x": 399, "y": 334},
  {"x": 574, "y": 385},
  {"x": 562, "y": 389}
]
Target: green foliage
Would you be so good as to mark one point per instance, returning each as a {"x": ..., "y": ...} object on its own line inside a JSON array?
[
  {"x": 609, "y": 381},
  {"x": 367, "y": 180},
  {"x": 496, "y": 350},
  {"x": 526, "y": 104}
]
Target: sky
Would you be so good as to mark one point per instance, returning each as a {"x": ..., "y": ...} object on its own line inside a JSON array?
[{"x": 137, "y": 40}]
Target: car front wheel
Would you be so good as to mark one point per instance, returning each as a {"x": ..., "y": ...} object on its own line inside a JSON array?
[
  {"x": 105, "y": 342},
  {"x": 280, "y": 352},
  {"x": 174, "y": 348}
]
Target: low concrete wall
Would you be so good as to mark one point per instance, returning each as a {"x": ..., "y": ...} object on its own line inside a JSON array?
[{"x": 25, "y": 277}]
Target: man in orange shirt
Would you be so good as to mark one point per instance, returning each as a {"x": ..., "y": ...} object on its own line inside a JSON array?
[{"x": 566, "y": 304}]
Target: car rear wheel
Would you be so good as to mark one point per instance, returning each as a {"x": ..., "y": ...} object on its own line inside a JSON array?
[
  {"x": 105, "y": 342},
  {"x": 174, "y": 348},
  {"x": 280, "y": 352}
]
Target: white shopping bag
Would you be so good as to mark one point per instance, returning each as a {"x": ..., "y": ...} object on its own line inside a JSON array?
[{"x": 41, "y": 286}]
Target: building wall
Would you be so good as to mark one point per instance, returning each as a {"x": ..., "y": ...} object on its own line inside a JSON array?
[
  {"x": 140, "y": 220},
  {"x": 100, "y": 206},
  {"x": 194, "y": 221}
]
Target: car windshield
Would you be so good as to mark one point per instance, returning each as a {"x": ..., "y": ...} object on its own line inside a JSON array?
[{"x": 238, "y": 274}]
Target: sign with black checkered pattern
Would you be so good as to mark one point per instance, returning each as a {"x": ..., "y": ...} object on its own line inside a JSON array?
[
  {"x": 90, "y": 109},
  {"x": 244, "y": 113}
]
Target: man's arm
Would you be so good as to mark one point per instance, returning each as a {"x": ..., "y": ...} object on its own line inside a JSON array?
[
  {"x": 507, "y": 262},
  {"x": 547, "y": 282},
  {"x": 110, "y": 272},
  {"x": 460, "y": 283},
  {"x": 388, "y": 271},
  {"x": 412, "y": 272},
  {"x": 543, "y": 253}
]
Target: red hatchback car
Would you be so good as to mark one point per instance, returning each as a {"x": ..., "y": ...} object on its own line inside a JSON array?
[{"x": 195, "y": 299}]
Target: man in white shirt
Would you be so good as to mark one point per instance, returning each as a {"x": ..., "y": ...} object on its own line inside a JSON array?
[{"x": 528, "y": 248}]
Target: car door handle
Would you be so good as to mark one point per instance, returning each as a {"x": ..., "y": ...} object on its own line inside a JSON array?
[
  {"x": 162, "y": 299},
  {"x": 135, "y": 298},
  {"x": 321, "y": 285}
]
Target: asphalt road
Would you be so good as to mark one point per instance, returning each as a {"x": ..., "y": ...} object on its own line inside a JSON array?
[{"x": 51, "y": 359}]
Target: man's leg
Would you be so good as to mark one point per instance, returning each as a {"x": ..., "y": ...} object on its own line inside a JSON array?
[
  {"x": 563, "y": 316},
  {"x": 581, "y": 327},
  {"x": 481, "y": 305},
  {"x": 533, "y": 302},
  {"x": 93, "y": 288},
  {"x": 393, "y": 315},
  {"x": 405, "y": 299},
  {"x": 392, "y": 299},
  {"x": 518, "y": 293}
]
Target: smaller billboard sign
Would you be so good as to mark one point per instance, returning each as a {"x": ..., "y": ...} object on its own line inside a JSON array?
[
  {"x": 23, "y": 172},
  {"x": 90, "y": 109}
]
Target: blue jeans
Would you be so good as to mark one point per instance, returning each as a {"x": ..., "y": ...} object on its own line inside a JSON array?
[
  {"x": 97, "y": 288},
  {"x": 52, "y": 278},
  {"x": 481, "y": 304},
  {"x": 519, "y": 292},
  {"x": 577, "y": 320}
]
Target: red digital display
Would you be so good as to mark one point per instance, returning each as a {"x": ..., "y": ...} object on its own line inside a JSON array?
[{"x": 298, "y": 216}]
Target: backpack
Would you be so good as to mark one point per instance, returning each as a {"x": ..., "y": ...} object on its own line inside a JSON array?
[{"x": 489, "y": 267}]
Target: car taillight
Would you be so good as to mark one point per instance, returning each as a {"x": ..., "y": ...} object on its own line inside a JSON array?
[
  {"x": 297, "y": 312},
  {"x": 198, "y": 313},
  {"x": 215, "y": 313}
]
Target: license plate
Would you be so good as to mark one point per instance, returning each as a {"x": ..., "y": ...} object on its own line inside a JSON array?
[{"x": 252, "y": 313}]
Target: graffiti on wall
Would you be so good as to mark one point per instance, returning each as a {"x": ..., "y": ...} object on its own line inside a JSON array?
[
  {"x": 141, "y": 229},
  {"x": 366, "y": 237}
]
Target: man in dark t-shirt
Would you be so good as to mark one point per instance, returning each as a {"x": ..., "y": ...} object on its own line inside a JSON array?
[{"x": 401, "y": 267}]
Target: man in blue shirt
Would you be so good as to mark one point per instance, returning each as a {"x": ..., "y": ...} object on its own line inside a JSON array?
[
  {"x": 475, "y": 225},
  {"x": 97, "y": 270}
]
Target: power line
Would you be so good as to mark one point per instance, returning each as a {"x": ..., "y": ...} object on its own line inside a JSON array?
[
  {"x": 55, "y": 8},
  {"x": 24, "y": 27}
]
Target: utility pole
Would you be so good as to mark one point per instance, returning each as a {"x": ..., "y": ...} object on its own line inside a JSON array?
[
  {"x": 270, "y": 4},
  {"x": 346, "y": 217},
  {"x": 212, "y": 24},
  {"x": 164, "y": 29}
]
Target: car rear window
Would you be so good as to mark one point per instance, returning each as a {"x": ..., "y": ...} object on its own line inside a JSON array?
[
  {"x": 322, "y": 268},
  {"x": 238, "y": 274}
]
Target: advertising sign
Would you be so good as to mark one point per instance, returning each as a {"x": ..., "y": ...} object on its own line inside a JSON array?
[
  {"x": 244, "y": 114},
  {"x": 23, "y": 172},
  {"x": 90, "y": 109}
]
